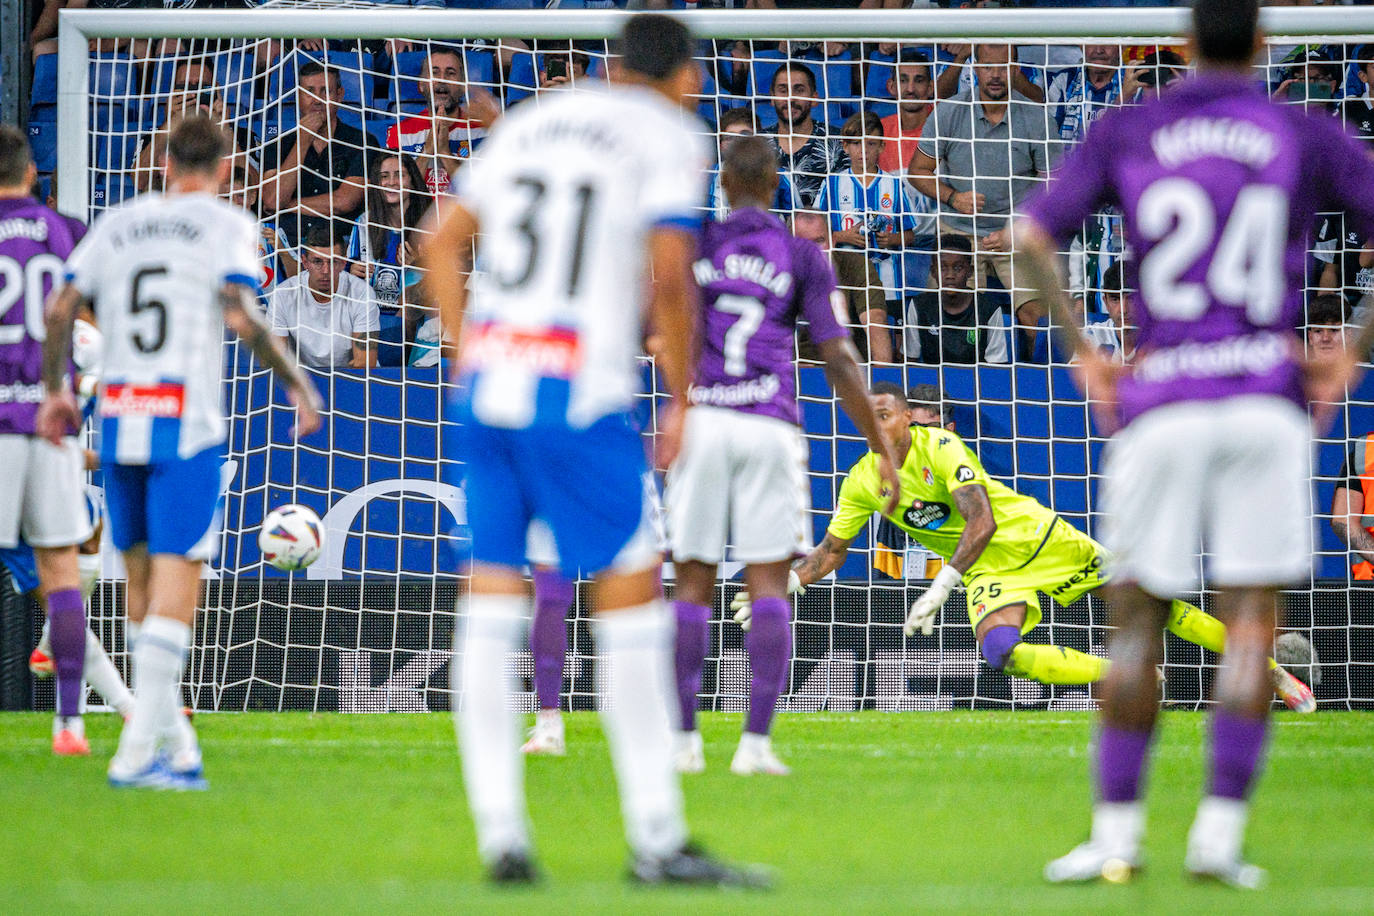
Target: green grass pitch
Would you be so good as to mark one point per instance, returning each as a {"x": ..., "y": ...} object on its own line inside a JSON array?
[{"x": 883, "y": 813}]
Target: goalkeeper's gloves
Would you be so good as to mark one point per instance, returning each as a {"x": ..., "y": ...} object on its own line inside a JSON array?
[
  {"x": 743, "y": 607},
  {"x": 924, "y": 608}
]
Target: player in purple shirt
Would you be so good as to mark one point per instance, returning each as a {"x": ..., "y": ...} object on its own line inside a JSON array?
[
  {"x": 1219, "y": 189},
  {"x": 741, "y": 475},
  {"x": 42, "y": 498}
]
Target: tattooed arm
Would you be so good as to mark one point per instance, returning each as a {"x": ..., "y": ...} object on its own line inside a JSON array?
[
  {"x": 979, "y": 526},
  {"x": 827, "y": 557}
]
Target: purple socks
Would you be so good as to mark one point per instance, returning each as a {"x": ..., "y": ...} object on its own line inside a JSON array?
[
  {"x": 769, "y": 642},
  {"x": 1120, "y": 762},
  {"x": 1237, "y": 748},
  {"x": 693, "y": 641},
  {"x": 67, "y": 633},
  {"x": 553, "y": 596}
]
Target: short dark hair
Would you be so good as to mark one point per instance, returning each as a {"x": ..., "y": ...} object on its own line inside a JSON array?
[
  {"x": 1114, "y": 281},
  {"x": 1326, "y": 308},
  {"x": 1011, "y": 50},
  {"x": 321, "y": 235},
  {"x": 929, "y": 397},
  {"x": 732, "y": 116},
  {"x": 863, "y": 124},
  {"x": 751, "y": 165},
  {"x": 1224, "y": 30},
  {"x": 197, "y": 144},
  {"x": 952, "y": 241},
  {"x": 315, "y": 68},
  {"x": 15, "y": 155},
  {"x": 654, "y": 45},
  {"x": 451, "y": 51},
  {"x": 793, "y": 66},
  {"x": 892, "y": 388}
]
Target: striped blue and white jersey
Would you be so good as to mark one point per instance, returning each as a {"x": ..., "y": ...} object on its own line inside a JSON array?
[
  {"x": 886, "y": 204},
  {"x": 566, "y": 193},
  {"x": 152, "y": 269}
]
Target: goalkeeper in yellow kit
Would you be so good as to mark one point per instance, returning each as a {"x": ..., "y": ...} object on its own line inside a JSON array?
[{"x": 1002, "y": 546}]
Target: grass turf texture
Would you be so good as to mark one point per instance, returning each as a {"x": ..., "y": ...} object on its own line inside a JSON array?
[{"x": 947, "y": 811}]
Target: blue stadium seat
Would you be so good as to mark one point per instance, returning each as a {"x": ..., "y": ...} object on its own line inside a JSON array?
[
  {"x": 117, "y": 116},
  {"x": 108, "y": 190},
  {"x": 235, "y": 77},
  {"x": 44, "y": 89},
  {"x": 522, "y": 78},
  {"x": 391, "y": 349},
  {"x": 876, "y": 97},
  {"x": 43, "y": 142},
  {"x": 112, "y": 77},
  {"x": 115, "y": 153},
  {"x": 480, "y": 64}
]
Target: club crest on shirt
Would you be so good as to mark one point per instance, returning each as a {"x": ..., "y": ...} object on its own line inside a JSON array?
[{"x": 928, "y": 477}]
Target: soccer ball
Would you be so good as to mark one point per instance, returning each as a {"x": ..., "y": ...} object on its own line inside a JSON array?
[{"x": 291, "y": 537}]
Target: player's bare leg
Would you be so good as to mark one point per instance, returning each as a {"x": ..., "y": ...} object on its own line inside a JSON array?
[
  {"x": 162, "y": 592},
  {"x": 769, "y": 643},
  {"x": 692, "y": 607},
  {"x": 488, "y": 731},
  {"x": 60, "y": 584},
  {"x": 1240, "y": 720},
  {"x": 999, "y": 639},
  {"x": 553, "y": 596},
  {"x": 1130, "y": 705},
  {"x": 634, "y": 633}
]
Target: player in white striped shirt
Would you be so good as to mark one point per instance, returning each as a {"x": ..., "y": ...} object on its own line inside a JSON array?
[{"x": 163, "y": 273}]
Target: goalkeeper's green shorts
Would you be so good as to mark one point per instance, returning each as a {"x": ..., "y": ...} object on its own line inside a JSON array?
[{"x": 1068, "y": 565}]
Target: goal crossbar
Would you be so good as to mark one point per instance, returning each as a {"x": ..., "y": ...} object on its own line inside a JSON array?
[{"x": 77, "y": 27}]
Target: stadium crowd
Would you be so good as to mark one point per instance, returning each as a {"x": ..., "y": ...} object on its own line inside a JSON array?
[{"x": 904, "y": 161}]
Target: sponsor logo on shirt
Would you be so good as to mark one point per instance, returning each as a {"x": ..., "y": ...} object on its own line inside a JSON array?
[
  {"x": 737, "y": 394},
  {"x": 548, "y": 352},
  {"x": 926, "y": 515},
  {"x": 19, "y": 393},
  {"x": 165, "y": 399},
  {"x": 1245, "y": 354}
]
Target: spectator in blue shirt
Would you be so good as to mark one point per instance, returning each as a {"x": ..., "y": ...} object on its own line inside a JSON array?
[{"x": 383, "y": 245}]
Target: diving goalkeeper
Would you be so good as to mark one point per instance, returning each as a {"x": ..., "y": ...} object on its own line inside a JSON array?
[{"x": 1004, "y": 547}]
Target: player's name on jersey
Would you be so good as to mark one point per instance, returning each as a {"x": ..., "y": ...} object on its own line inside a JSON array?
[
  {"x": 35, "y": 230},
  {"x": 154, "y": 229},
  {"x": 1201, "y": 138},
  {"x": 752, "y": 268},
  {"x": 759, "y": 390}
]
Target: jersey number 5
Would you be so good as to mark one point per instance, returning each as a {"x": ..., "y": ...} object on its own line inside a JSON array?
[
  {"x": 1247, "y": 265},
  {"x": 142, "y": 302}
]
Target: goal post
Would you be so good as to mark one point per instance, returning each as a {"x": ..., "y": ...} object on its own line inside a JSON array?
[{"x": 368, "y": 628}]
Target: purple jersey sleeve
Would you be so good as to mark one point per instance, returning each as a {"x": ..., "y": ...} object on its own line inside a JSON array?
[
  {"x": 815, "y": 292},
  {"x": 1080, "y": 187}
]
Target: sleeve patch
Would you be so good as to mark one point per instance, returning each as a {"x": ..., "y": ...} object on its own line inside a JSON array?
[{"x": 964, "y": 473}]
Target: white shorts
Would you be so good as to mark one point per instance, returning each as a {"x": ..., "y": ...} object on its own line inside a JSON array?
[
  {"x": 42, "y": 496},
  {"x": 740, "y": 478},
  {"x": 1231, "y": 477}
]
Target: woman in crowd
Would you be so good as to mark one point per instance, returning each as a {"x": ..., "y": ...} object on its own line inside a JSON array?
[{"x": 384, "y": 242}]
